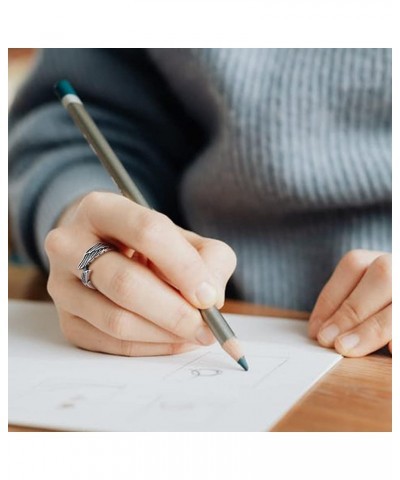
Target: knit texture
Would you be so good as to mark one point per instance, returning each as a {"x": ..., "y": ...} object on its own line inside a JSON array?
[{"x": 285, "y": 154}]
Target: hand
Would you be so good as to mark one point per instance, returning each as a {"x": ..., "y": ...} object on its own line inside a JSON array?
[
  {"x": 353, "y": 312},
  {"x": 147, "y": 292}
]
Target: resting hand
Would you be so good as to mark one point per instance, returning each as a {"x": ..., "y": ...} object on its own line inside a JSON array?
[
  {"x": 148, "y": 291},
  {"x": 353, "y": 312}
]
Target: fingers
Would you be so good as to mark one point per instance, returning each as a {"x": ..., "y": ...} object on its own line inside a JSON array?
[
  {"x": 149, "y": 289},
  {"x": 344, "y": 279},
  {"x": 154, "y": 235},
  {"x": 218, "y": 257},
  {"x": 108, "y": 317},
  {"x": 373, "y": 293},
  {"x": 133, "y": 287},
  {"x": 84, "y": 335},
  {"x": 375, "y": 332}
]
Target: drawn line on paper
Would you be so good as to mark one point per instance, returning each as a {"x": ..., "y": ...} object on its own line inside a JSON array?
[
  {"x": 54, "y": 386},
  {"x": 186, "y": 365},
  {"x": 200, "y": 370},
  {"x": 205, "y": 372},
  {"x": 270, "y": 372}
]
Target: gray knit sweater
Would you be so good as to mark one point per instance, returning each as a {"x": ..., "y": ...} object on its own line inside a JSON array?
[{"x": 285, "y": 154}]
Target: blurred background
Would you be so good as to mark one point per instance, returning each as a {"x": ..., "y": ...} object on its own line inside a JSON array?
[
  {"x": 19, "y": 62},
  {"x": 24, "y": 281}
]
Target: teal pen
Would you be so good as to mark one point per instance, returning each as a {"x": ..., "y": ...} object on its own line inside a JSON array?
[{"x": 72, "y": 103}]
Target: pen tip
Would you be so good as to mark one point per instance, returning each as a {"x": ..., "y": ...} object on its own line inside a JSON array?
[{"x": 243, "y": 363}]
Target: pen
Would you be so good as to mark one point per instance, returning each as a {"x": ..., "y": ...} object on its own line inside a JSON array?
[{"x": 72, "y": 103}]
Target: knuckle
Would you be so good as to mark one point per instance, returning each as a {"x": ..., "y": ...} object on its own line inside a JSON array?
[
  {"x": 116, "y": 322},
  {"x": 231, "y": 256},
  {"x": 228, "y": 253},
  {"x": 90, "y": 201},
  {"x": 152, "y": 226},
  {"x": 383, "y": 266},
  {"x": 354, "y": 260},
  {"x": 324, "y": 302},
  {"x": 349, "y": 311},
  {"x": 190, "y": 268},
  {"x": 376, "y": 328},
  {"x": 123, "y": 285},
  {"x": 52, "y": 286},
  {"x": 182, "y": 318},
  {"x": 55, "y": 242}
]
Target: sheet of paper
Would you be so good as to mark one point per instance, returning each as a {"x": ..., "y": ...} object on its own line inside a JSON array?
[{"x": 57, "y": 386}]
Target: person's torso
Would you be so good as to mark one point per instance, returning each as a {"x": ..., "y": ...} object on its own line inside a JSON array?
[{"x": 298, "y": 157}]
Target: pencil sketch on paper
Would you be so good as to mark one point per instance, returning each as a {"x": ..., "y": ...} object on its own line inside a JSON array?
[
  {"x": 53, "y": 385},
  {"x": 215, "y": 368},
  {"x": 69, "y": 393},
  {"x": 191, "y": 379},
  {"x": 205, "y": 372}
]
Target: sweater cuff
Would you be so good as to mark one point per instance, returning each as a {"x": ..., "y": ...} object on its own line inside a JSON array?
[{"x": 64, "y": 189}]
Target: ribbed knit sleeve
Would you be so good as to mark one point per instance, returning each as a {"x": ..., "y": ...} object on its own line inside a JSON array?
[{"x": 50, "y": 164}]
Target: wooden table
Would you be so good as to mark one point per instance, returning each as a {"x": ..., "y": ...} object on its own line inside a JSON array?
[{"x": 356, "y": 395}]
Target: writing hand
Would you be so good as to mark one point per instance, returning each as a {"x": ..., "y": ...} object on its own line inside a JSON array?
[{"x": 147, "y": 292}]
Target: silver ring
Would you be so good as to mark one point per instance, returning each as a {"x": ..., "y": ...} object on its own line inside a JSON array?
[
  {"x": 91, "y": 255},
  {"x": 85, "y": 278}
]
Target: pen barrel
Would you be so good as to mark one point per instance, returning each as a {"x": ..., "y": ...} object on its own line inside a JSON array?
[
  {"x": 72, "y": 103},
  {"x": 218, "y": 325},
  {"x": 105, "y": 153}
]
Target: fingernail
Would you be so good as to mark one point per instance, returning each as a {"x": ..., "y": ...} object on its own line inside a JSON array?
[
  {"x": 349, "y": 341},
  {"x": 206, "y": 294},
  {"x": 204, "y": 336},
  {"x": 328, "y": 334}
]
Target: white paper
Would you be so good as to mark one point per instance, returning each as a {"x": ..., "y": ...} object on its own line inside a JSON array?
[{"x": 57, "y": 386}]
